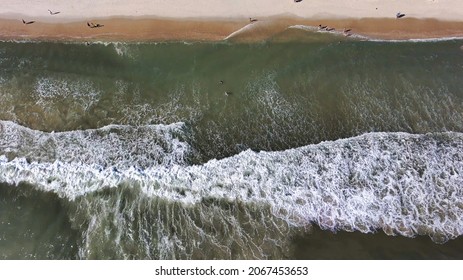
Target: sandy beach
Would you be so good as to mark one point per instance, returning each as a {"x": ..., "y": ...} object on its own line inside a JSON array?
[
  {"x": 161, "y": 20},
  {"x": 85, "y": 9}
]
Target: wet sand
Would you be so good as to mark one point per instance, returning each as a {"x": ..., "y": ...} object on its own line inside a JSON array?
[
  {"x": 239, "y": 29},
  {"x": 120, "y": 30}
]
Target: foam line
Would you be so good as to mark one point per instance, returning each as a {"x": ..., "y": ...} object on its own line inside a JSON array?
[
  {"x": 396, "y": 182},
  {"x": 113, "y": 146},
  {"x": 241, "y": 30}
]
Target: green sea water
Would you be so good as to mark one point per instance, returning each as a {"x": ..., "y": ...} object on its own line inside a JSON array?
[{"x": 318, "y": 147}]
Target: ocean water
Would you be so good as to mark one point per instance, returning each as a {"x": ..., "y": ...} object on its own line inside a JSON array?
[{"x": 312, "y": 148}]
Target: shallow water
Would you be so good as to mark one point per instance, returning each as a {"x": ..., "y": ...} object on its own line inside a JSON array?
[{"x": 134, "y": 151}]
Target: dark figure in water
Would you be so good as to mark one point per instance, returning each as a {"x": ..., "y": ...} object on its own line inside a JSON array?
[
  {"x": 346, "y": 32},
  {"x": 399, "y": 15},
  {"x": 28, "y": 22},
  {"x": 252, "y": 20},
  {"x": 320, "y": 27},
  {"x": 221, "y": 82},
  {"x": 297, "y": 1}
]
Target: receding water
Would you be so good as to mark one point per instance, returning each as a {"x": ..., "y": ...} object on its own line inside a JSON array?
[{"x": 231, "y": 151}]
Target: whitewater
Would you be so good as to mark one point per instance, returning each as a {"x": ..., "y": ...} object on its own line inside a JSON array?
[{"x": 400, "y": 183}]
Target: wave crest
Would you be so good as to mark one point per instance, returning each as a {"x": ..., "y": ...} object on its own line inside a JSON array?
[{"x": 401, "y": 183}]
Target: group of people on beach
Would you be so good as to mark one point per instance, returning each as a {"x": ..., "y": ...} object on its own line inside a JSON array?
[
  {"x": 346, "y": 31},
  {"x": 32, "y": 21},
  {"x": 89, "y": 24},
  {"x": 326, "y": 28},
  {"x": 93, "y": 25}
]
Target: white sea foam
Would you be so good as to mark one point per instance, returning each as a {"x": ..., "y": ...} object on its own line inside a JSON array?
[
  {"x": 166, "y": 112},
  {"x": 401, "y": 183},
  {"x": 266, "y": 92},
  {"x": 81, "y": 92},
  {"x": 363, "y": 98},
  {"x": 304, "y": 27},
  {"x": 111, "y": 147},
  {"x": 424, "y": 40},
  {"x": 123, "y": 49},
  {"x": 241, "y": 30}
]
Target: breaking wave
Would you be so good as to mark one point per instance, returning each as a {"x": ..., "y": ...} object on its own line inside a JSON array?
[{"x": 407, "y": 184}]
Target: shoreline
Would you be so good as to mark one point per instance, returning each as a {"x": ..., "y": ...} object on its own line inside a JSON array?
[{"x": 136, "y": 29}]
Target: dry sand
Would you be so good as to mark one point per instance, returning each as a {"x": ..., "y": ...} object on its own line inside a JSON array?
[
  {"x": 83, "y": 9},
  {"x": 216, "y": 19}
]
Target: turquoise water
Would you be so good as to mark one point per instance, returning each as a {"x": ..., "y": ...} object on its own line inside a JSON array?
[{"x": 139, "y": 151}]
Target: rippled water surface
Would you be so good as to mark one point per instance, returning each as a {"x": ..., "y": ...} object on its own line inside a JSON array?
[{"x": 231, "y": 151}]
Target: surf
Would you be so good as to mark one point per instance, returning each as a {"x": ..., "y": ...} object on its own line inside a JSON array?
[{"x": 400, "y": 183}]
